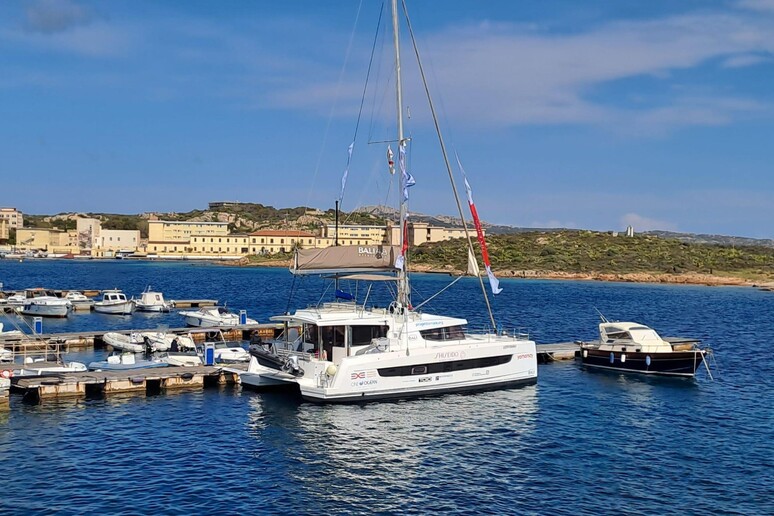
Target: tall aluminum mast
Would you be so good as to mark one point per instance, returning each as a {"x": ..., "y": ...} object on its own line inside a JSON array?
[{"x": 403, "y": 286}]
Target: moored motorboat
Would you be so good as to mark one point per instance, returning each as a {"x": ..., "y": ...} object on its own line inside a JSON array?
[
  {"x": 125, "y": 361},
  {"x": 212, "y": 317},
  {"x": 42, "y": 302},
  {"x": 632, "y": 347},
  {"x": 42, "y": 367},
  {"x": 114, "y": 302},
  {"x": 79, "y": 301},
  {"x": 151, "y": 301},
  {"x": 139, "y": 342},
  {"x": 183, "y": 352}
]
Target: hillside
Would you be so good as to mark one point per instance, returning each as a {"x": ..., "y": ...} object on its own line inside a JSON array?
[{"x": 587, "y": 252}]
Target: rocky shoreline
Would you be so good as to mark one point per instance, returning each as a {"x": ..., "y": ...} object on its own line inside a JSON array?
[{"x": 688, "y": 278}]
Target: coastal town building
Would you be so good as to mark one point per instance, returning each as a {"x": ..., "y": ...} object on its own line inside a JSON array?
[
  {"x": 114, "y": 241},
  {"x": 88, "y": 233},
  {"x": 229, "y": 246},
  {"x": 423, "y": 233},
  {"x": 175, "y": 239},
  {"x": 271, "y": 241},
  {"x": 353, "y": 234},
  {"x": 47, "y": 240},
  {"x": 4, "y": 230},
  {"x": 172, "y": 231},
  {"x": 14, "y": 217},
  {"x": 95, "y": 241}
]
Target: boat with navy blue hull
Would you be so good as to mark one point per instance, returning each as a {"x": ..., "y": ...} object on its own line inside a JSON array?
[{"x": 631, "y": 347}]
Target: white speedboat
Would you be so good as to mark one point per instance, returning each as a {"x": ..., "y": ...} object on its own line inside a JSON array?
[
  {"x": 183, "y": 352},
  {"x": 230, "y": 352},
  {"x": 7, "y": 355},
  {"x": 213, "y": 317},
  {"x": 631, "y": 347},
  {"x": 114, "y": 302},
  {"x": 350, "y": 352},
  {"x": 79, "y": 301},
  {"x": 42, "y": 302},
  {"x": 139, "y": 342},
  {"x": 42, "y": 367},
  {"x": 151, "y": 301}
]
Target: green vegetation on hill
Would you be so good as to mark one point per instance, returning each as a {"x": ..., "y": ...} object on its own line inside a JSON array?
[{"x": 588, "y": 252}]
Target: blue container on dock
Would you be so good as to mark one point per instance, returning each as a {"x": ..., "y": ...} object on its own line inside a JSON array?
[
  {"x": 38, "y": 324},
  {"x": 243, "y": 317},
  {"x": 209, "y": 353}
]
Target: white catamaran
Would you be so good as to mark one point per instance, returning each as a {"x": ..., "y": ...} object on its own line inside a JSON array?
[{"x": 344, "y": 351}]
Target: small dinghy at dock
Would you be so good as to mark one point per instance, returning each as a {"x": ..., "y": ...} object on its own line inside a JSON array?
[{"x": 125, "y": 361}]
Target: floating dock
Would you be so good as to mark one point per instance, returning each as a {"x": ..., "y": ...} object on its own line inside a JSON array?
[
  {"x": 93, "y": 339},
  {"x": 177, "y": 303},
  {"x": 139, "y": 381},
  {"x": 559, "y": 351}
]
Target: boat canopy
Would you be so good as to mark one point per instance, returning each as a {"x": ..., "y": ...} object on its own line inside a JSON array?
[
  {"x": 345, "y": 259},
  {"x": 367, "y": 277}
]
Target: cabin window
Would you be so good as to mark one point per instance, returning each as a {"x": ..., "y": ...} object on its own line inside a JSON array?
[
  {"x": 362, "y": 335},
  {"x": 619, "y": 335},
  {"x": 420, "y": 369},
  {"x": 447, "y": 333}
]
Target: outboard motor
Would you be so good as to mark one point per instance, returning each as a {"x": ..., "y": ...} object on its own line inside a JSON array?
[{"x": 291, "y": 366}]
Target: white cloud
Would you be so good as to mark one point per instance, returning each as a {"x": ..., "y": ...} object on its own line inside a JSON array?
[
  {"x": 641, "y": 223},
  {"x": 51, "y": 16},
  {"x": 757, "y": 5},
  {"x": 505, "y": 74},
  {"x": 745, "y": 60}
]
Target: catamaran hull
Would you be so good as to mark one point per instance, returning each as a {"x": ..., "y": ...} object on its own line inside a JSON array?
[
  {"x": 674, "y": 363},
  {"x": 363, "y": 397},
  {"x": 449, "y": 369}
]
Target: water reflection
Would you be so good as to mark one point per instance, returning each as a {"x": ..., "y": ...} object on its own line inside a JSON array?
[{"x": 341, "y": 452}]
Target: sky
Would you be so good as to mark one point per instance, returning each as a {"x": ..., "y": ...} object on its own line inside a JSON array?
[{"x": 593, "y": 115}]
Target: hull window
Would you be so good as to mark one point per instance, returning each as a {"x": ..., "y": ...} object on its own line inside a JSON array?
[{"x": 445, "y": 367}]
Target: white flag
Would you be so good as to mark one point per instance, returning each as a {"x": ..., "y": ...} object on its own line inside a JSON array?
[{"x": 346, "y": 171}]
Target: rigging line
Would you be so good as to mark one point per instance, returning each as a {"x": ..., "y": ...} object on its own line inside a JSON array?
[
  {"x": 439, "y": 292},
  {"x": 445, "y": 156},
  {"x": 290, "y": 295},
  {"x": 333, "y": 109},
  {"x": 365, "y": 87}
]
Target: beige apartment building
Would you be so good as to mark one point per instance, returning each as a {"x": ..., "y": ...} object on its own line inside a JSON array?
[
  {"x": 353, "y": 234},
  {"x": 4, "y": 231},
  {"x": 270, "y": 241},
  {"x": 229, "y": 246},
  {"x": 178, "y": 239},
  {"x": 172, "y": 231},
  {"x": 423, "y": 233},
  {"x": 92, "y": 239},
  {"x": 13, "y": 216},
  {"x": 48, "y": 240}
]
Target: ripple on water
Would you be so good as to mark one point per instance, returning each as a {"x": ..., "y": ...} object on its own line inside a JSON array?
[{"x": 578, "y": 442}]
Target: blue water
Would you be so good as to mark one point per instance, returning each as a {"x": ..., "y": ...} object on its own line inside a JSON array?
[{"x": 578, "y": 442}]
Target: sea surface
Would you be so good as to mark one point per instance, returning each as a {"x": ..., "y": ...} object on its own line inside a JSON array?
[{"x": 577, "y": 442}]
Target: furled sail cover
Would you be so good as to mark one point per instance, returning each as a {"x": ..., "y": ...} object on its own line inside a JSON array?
[{"x": 344, "y": 259}]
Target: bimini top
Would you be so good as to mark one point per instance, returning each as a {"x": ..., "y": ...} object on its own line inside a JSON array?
[{"x": 345, "y": 259}]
